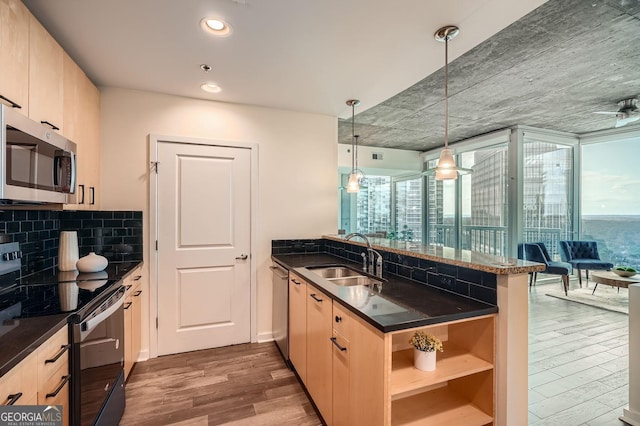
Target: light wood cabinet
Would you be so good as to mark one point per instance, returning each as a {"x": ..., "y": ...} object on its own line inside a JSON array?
[
  {"x": 14, "y": 53},
  {"x": 45, "y": 77},
  {"x": 20, "y": 385},
  {"x": 319, "y": 351},
  {"x": 460, "y": 390},
  {"x": 42, "y": 378},
  {"x": 132, "y": 320},
  {"x": 298, "y": 325},
  {"x": 53, "y": 372},
  {"x": 81, "y": 119},
  {"x": 357, "y": 375}
]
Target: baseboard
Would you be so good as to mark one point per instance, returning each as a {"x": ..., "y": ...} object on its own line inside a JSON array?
[
  {"x": 144, "y": 355},
  {"x": 264, "y": 337}
]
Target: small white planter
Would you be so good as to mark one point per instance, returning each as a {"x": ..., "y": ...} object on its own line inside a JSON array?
[{"x": 425, "y": 361}]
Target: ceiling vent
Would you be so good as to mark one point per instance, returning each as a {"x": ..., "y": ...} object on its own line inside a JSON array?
[{"x": 376, "y": 156}]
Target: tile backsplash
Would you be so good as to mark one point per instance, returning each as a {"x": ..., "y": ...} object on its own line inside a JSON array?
[{"x": 117, "y": 235}]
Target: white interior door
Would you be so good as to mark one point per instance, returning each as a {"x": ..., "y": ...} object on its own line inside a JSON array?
[{"x": 203, "y": 221}]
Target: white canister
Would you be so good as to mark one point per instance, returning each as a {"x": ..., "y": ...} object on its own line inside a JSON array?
[
  {"x": 425, "y": 361},
  {"x": 92, "y": 263},
  {"x": 68, "y": 251}
]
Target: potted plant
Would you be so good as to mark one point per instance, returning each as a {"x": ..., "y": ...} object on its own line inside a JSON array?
[{"x": 424, "y": 350}]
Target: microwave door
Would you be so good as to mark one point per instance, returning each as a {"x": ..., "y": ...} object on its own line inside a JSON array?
[{"x": 22, "y": 165}]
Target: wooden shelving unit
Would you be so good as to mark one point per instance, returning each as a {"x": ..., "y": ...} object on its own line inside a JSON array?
[{"x": 461, "y": 389}]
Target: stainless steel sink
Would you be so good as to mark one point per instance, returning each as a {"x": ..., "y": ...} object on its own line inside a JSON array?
[
  {"x": 336, "y": 272},
  {"x": 355, "y": 280}
]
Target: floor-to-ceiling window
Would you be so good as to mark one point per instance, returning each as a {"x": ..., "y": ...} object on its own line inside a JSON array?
[
  {"x": 441, "y": 211},
  {"x": 610, "y": 205},
  {"x": 547, "y": 193},
  {"x": 408, "y": 209}
]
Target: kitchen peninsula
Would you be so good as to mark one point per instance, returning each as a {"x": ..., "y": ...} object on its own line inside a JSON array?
[{"x": 474, "y": 302}]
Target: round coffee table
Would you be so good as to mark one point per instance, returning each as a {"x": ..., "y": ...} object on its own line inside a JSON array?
[{"x": 612, "y": 279}]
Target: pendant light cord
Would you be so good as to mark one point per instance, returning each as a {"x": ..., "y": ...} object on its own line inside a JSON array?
[
  {"x": 353, "y": 137},
  {"x": 446, "y": 91}
]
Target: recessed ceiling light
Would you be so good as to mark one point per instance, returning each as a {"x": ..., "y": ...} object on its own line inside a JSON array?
[
  {"x": 216, "y": 26},
  {"x": 211, "y": 88}
]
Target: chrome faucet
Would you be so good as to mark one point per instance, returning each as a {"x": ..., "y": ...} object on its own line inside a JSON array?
[{"x": 374, "y": 265}]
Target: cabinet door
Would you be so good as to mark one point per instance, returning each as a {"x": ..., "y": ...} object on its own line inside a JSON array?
[
  {"x": 136, "y": 318},
  {"x": 128, "y": 352},
  {"x": 341, "y": 383},
  {"x": 298, "y": 325},
  {"x": 319, "y": 352},
  {"x": 20, "y": 385},
  {"x": 14, "y": 53},
  {"x": 45, "y": 76}
]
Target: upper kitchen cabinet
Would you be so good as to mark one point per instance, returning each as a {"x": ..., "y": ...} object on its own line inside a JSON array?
[
  {"x": 46, "y": 59},
  {"x": 81, "y": 121},
  {"x": 14, "y": 53}
]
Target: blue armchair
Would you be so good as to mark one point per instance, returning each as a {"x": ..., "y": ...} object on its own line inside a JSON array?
[
  {"x": 583, "y": 255},
  {"x": 537, "y": 252}
]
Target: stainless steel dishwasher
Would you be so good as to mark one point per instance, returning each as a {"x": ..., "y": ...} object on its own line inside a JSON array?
[{"x": 280, "y": 310}]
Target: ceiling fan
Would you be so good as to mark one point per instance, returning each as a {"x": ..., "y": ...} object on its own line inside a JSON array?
[{"x": 627, "y": 113}]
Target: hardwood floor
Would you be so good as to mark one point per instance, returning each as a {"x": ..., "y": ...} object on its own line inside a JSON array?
[
  {"x": 578, "y": 375},
  {"x": 238, "y": 385},
  {"x": 578, "y": 362}
]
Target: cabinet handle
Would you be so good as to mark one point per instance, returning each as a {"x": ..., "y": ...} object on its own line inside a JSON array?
[
  {"x": 335, "y": 342},
  {"x": 313, "y": 296},
  {"x": 63, "y": 349},
  {"x": 338, "y": 318},
  {"x": 65, "y": 379},
  {"x": 137, "y": 278},
  {"x": 296, "y": 282},
  {"x": 127, "y": 287},
  {"x": 93, "y": 195},
  {"x": 13, "y": 398},
  {"x": 13, "y": 105},
  {"x": 137, "y": 293},
  {"x": 81, "y": 186},
  {"x": 127, "y": 305},
  {"x": 53, "y": 126}
]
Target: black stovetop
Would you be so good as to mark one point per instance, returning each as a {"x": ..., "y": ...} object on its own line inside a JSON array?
[{"x": 52, "y": 292}]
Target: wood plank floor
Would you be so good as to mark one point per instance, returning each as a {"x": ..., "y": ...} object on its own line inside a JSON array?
[
  {"x": 238, "y": 385},
  {"x": 578, "y": 375},
  {"x": 578, "y": 362}
]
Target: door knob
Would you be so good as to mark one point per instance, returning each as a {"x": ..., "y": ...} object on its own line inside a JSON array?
[{"x": 242, "y": 257}]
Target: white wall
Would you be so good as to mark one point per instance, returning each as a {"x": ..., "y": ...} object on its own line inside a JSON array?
[
  {"x": 297, "y": 167},
  {"x": 394, "y": 161}
]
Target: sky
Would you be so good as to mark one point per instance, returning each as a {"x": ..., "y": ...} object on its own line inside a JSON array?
[{"x": 611, "y": 178}]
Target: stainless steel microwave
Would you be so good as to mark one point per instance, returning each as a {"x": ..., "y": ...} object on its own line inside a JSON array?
[{"x": 37, "y": 165}]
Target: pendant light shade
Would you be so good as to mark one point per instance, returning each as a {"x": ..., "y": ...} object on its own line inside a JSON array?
[
  {"x": 356, "y": 176},
  {"x": 447, "y": 168}
]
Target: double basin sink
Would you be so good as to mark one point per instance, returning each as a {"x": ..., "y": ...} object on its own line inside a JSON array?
[{"x": 344, "y": 276}]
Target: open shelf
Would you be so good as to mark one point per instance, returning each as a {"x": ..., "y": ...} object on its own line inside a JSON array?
[
  {"x": 451, "y": 364},
  {"x": 442, "y": 407}
]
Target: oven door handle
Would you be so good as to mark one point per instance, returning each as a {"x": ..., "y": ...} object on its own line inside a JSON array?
[{"x": 91, "y": 323}]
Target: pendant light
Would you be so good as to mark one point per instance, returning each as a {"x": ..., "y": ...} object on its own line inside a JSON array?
[
  {"x": 356, "y": 175},
  {"x": 446, "y": 168}
]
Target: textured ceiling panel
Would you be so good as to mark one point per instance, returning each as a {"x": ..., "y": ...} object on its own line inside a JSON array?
[{"x": 551, "y": 69}]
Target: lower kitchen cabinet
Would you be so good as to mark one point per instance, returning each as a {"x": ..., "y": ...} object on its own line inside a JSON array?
[
  {"x": 319, "y": 351},
  {"x": 132, "y": 320},
  {"x": 20, "y": 385},
  {"x": 42, "y": 378},
  {"x": 53, "y": 372},
  {"x": 298, "y": 325},
  {"x": 357, "y": 375}
]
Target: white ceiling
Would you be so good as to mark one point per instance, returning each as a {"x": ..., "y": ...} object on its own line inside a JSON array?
[{"x": 300, "y": 55}]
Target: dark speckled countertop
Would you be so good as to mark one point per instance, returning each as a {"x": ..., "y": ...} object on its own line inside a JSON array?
[
  {"x": 400, "y": 304},
  {"x": 20, "y": 337}
]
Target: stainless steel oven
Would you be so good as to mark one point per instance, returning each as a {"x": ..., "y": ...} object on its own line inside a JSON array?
[
  {"x": 37, "y": 165},
  {"x": 97, "y": 361}
]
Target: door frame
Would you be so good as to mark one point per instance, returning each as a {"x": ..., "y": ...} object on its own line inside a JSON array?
[{"x": 154, "y": 141}]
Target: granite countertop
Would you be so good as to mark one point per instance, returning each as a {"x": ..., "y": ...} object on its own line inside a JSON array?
[
  {"x": 498, "y": 265},
  {"x": 398, "y": 305},
  {"x": 21, "y": 337}
]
